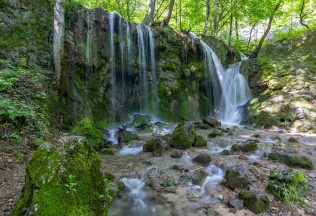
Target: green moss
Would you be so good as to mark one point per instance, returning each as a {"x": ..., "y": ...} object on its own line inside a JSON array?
[
  {"x": 141, "y": 121},
  {"x": 129, "y": 136},
  {"x": 86, "y": 128},
  {"x": 292, "y": 140},
  {"x": 183, "y": 136},
  {"x": 155, "y": 146},
  {"x": 200, "y": 142},
  {"x": 215, "y": 133},
  {"x": 234, "y": 179},
  {"x": 292, "y": 160},
  {"x": 256, "y": 203},
  {"x": 262, "y": 119},
  {"x": 250, "y": 146},
  {"x": 289, "y": 186},
  {"x": 62, "y": 181}
]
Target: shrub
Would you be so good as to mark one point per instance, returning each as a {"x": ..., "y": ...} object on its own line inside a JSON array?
[{"x": 288, "y": 185}]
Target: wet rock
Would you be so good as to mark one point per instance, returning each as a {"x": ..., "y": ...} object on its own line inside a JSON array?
[
  {"x": 201, "y": 125},
  {"x": 200, "y": 142},
  {"x": 156, "y": 146},
  {"x": 225, "y": 152},
  {"x": 203, "y": 159},
  {"x": 141, "y": 121},
  {"x": 183, "y": 136},
  {"x": 175, "y": 153},
  {"x": 159, "y": 181},
  {"x": 198, "y": 176},
  {"x": 66, "y": 176},
  {"x": 292, "y": 160},
  {"x": 129, "y": 136},
  {"x": 255, "y": 202},
  {"x": 236, "y": 204},
  {"x": 211, "y": 121},
  {"x": 215, "y": 133},
  {"x": 250, "y": 146},
  {"x": 235, "y": 178}
]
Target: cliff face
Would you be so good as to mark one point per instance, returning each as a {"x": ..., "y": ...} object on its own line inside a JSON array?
[{"x": 87, "y": 67}]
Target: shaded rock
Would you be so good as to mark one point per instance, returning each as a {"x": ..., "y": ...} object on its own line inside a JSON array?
[
  {"x": 255, "y": 202},
  {"x": 211, "y": 121},
  {"x": 183, "y": 136},
  {"x": 225, "y": 152},
  {"x": 215, "y": 133},
  {"x": 200, "y": 142},
  {"x": 292, "y": 160},
  {"x": 175, "y": 153},
  {"x": 250, "y": 146},
  {"x": 203, "y": 159},
  {"x": 236, "y": 204},
  {"x": 64, "y": 181},
  {"x": 234, "y": 178},
  {"x": 201, "y": 125}
]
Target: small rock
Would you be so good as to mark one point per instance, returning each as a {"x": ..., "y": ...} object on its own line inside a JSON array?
[
  {"x": 236, "y": 204},
  {"x": 203, "y": 159},
  {"x": 175, "y": 153},
  {"x": 225, "y": 152}
]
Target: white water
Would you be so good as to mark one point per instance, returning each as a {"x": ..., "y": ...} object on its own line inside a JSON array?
[
  {"x": 128, "y": 150},
  {"x": 214, "y": 178},
  {"x": 233, "y": 91},
  {"x": 186, "y": 161},
  {"x": 59, "y": 24}
]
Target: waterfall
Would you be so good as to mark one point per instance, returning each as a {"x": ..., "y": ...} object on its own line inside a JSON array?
[
  {"x": 131, "y": 40},
  {"x": 227, "y": 88},
  {"x": 112, "y": 61},
  {"x": 59, "y": 22}
]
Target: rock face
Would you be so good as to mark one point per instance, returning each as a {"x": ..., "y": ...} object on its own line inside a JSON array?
[
  {"x": 63, "y": 181},
  {"x": 181, "y": 78},
  {"x": 183, "y": 136}
]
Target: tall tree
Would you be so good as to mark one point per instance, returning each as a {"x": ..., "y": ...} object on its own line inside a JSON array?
[
  {"x": 166, "y": 21},
  {"x": 302, "y": 15},
  {"x": 255, "y": 53},
  {"x": 207, "y": 15},
  {"x": 150, "y": 13}
]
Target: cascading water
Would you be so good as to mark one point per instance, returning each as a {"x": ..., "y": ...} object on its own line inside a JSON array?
[
  {"x": 125, "y": 89},
  {"x": 227, "y": 88}
]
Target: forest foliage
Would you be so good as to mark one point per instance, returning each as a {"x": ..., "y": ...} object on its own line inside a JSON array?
[{"x": 240, "y": 23}]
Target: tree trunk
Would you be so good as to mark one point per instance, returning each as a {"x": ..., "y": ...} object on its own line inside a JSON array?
[
  {"x": 207, "y": 15},
  {"x": 166, "y": 21},
  {"x": 255, "y": 53},
  {"x": 302, "y": 15},
  {"x": 215, "y": 24},
  {"x": 150, "y": 13},
  {"x": 58, "y": 41}
]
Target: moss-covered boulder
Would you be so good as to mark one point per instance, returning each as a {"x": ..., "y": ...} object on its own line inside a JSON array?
[
  {"x": 198, "y": 176},
  {"x": 183, "y": 136},
  {"x": 292, "y": 160},
  {"x": 288, "y": 185},
  {"x": 64, "y": 181},
  {"x": 292, "y": 140},
  {"x": 250, "y": 146},
  {"x": 211, "y": 121},
  {"x": 200, "y": 142},
  {"x": 87, "y": 129},
  {"x": 129, "y": 136},
  {"x": 215, "y": 133},
  {"x": 255, "y": 202},
  {"x": 155, "y": 145},
  {"x": 234, "y": 178},
  {"x": 141, "y": 121}
]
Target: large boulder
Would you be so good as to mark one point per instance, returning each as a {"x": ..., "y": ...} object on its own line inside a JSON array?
[
  {"x": 211, "y": 121},
  {"x": 256, "y": 202},
  {"x": 203, "y": 159},
  {"x": 235, "y": 178},
  {"x": 183, "y": 136},
  {"x": 64, "y": 181}
]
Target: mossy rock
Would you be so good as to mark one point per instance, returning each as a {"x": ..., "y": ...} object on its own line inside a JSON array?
[
  {"x": 256, "y": 203},
  {"x": 288, "y": 185},
  {"x": 292, "y": 140},
  {"x": 129, "y": 136},
  {"x": 155, "y": 146},
  {"x": 183, "y": 136},
  {"x": 292, "y": 160},
  {"x": 87, "y": 129},
  {"x": 203, "y": 159},
  {"x": 198, "y": 176},
  {"x": 64, "y": 181},
  {"x": 215, "y": 133},
  {"x": 141, "y": 121},
  {"x": 200, "y": 142},
  {"x": 234, "y": 179},
  {"x": 262, "y": 119},
  {"x": 250, "y": 146}
]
